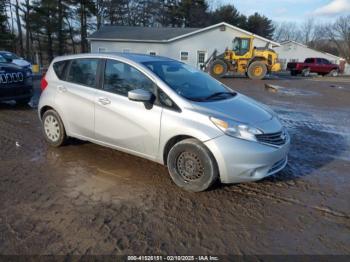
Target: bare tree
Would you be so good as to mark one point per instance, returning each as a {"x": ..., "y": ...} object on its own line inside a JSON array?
[
  {"x": 339, "y": 34},
  {"x": 307, "y": 31},
  {"x": 286, "y": 31}
]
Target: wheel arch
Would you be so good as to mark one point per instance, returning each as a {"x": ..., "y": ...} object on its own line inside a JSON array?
[
  {"x": 257, "y": 58},
  {"x": 178, "y": 138},
  {"x": 171, "y": 142},
  {"x": 43, "y": 110}
]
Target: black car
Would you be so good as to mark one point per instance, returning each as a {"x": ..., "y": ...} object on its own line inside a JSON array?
[{"x": 16, "y": 83}]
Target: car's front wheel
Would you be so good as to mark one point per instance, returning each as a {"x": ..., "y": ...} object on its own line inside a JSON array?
[
  {"x": 192, "y": 166},
  {"x": 334, "y": 73},
  {"x": 54, "y": 131}
]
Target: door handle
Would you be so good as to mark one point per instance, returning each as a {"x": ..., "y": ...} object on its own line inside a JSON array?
[
  {"x": 62, "y": 88},
  {"x": 104, "y": 100}
]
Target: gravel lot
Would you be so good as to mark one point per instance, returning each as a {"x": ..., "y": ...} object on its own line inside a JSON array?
[{"x": 86, "y": 199}]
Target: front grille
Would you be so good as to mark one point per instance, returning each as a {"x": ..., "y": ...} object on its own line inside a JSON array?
[{"x": 276, "y": 139}]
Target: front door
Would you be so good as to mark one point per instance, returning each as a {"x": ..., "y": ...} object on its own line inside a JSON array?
[
  {"x": 123, "y": 123},
  {"x": 201, "y": 57}
]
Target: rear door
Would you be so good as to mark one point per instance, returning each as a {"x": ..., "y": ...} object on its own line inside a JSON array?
[
  {"x": 122, "y": 123},
  {"x": 319, "y": 66},
  {"x": 327, "y": 66},
  {"x": 75, "y": 96}
]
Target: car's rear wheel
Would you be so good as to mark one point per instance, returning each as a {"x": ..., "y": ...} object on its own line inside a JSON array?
[
  {"x": 306, "y": 72},
  {"x": 192, "y": 166},
  {"x": 293, "y": 73},
  {"x": 54, "y": 131}
]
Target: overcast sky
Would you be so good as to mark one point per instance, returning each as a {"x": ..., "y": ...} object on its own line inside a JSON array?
[{"x": 291, "y": 10}]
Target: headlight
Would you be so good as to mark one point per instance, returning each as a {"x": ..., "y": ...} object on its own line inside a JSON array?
[{"x": 235, "y": 129}]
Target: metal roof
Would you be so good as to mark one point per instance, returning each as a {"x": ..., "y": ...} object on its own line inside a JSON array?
[
  {"x": 126, "y": 33},
  {"x": 158, "y": 34},
  {"x": 305, "y": 46}
]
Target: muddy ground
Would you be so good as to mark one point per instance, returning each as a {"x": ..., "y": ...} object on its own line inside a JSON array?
[{"x": 86, "y": 199}]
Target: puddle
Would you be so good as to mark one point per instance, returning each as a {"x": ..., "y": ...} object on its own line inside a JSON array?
[
  {"x": 289, "y": 91},
  {"x": 101, "y": 185}
]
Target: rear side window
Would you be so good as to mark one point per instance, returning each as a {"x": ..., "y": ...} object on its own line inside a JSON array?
[
  {"x": 325, "y": 61},
  {"x": 83, "y": 71},
  {"x": 60, "y": 68},
  {"x": 309, "y": 61}
]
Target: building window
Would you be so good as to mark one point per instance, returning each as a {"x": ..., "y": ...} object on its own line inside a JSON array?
[
  {"x": 153, "y": 53},
  {"x": 126, "y": 50},
  {"x": 201, "y": 57},
  {"x": 294, "y": 60},
  {"x": 184, "y": 56},
  {"x": 102, "y": 49}
]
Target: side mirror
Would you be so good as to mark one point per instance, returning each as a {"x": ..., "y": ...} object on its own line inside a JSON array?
[{"x": 140, "y": 95}]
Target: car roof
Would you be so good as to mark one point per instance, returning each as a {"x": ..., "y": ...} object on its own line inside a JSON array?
[
  {"x": 138, "y": 58},
  {"x": 141, "y": 57}
]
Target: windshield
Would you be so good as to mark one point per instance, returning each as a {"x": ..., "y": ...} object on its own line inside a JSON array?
[
  {"x": 2, "y": 59},
  {"x": 188, "y": 82},
  {"x": 236, "y": 44},
  {"x": 11, "y": 56}
]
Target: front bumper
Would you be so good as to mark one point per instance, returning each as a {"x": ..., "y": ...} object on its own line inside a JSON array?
[
  {"x": 244, "y": 161},
  {"x": 14, "y": 93}
]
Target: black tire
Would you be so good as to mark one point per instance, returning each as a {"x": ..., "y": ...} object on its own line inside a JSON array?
[
  {"x": 23, "y": 101},
  {"x": 192, "y": 166},
  {"x": 257, "y": 70},
  {"x": 56, "y": 139},
  {"x": 306, "y": 72},
  {"x": 218, "y": 64},
  {"x": 293, "y": 73},
  {"x": 334, "y": 73}
]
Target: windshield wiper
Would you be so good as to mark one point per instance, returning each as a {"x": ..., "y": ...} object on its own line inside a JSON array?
[{"x": 217, "y": 94}]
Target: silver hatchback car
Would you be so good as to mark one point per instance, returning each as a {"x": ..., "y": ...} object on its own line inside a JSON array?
[{"x": 163, "y": 110}]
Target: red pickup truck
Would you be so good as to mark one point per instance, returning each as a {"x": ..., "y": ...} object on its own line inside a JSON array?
[{"x": 313, "y": 65}]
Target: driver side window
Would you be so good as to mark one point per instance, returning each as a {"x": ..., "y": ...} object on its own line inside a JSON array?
[{"x": 120, "y": 78}]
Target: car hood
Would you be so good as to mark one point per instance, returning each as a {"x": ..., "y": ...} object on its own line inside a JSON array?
[
  {"x": 21, "y": 62},
  {"x": 9, "y": 67},
  {"x": 239, "y": 108}
]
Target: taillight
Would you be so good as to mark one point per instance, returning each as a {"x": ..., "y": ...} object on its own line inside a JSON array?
[{"x": 43, "y": 83}]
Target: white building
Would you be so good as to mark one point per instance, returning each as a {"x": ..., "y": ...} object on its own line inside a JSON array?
[
  {"x": 291, "y": 51},
  {"x": 190, "y": 45}
]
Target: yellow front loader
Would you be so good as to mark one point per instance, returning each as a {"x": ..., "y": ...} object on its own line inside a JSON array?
[{"x": 244, "y": 58}]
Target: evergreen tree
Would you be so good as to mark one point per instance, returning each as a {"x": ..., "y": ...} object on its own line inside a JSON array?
[
  {"x": 44, "y": 21},
  {"x": 260, "y": 25},
  {"x": 194, "y": 13},
  {"x": 230, "y": 15},
  {"x": 6, "y": 36}
]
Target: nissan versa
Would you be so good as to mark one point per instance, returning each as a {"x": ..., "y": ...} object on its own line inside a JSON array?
[{"x": 163, "y": 110}]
